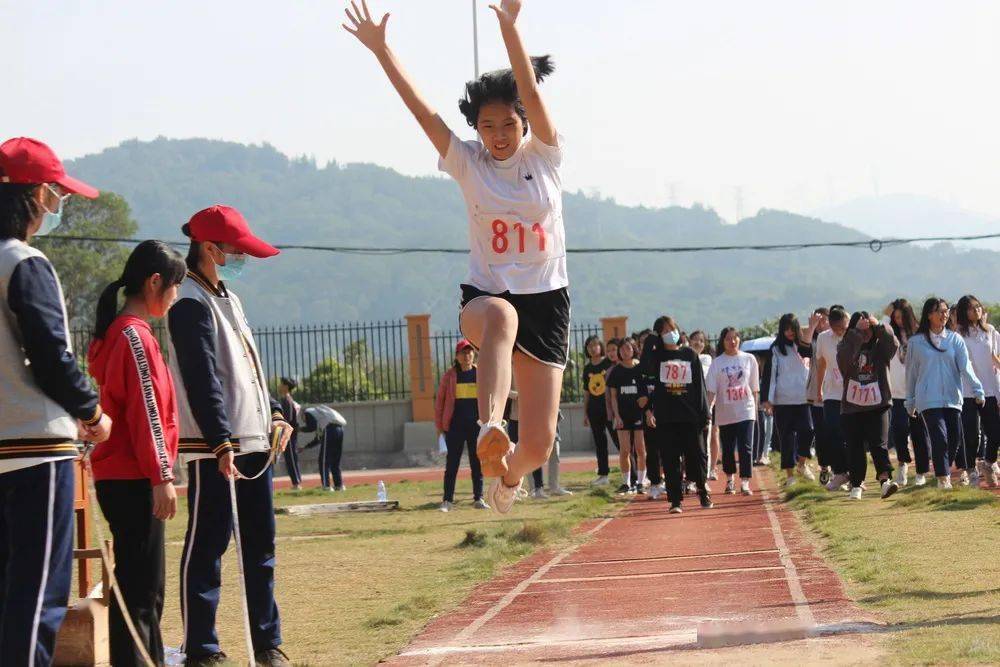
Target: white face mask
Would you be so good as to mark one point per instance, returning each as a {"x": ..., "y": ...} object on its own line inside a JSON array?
[
  {"x": 671, "y": 337},
  {"x": 51, "y": 220}
]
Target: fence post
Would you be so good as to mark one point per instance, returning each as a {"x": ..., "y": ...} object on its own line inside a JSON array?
[
  {"x": 421, "y": 367},
  {"x": 614, "y": 327}
]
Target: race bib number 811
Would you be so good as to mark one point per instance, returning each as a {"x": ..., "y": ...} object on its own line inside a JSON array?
[
  {"x": 675, "y": 372},
  {"x": 508, "y": 239}
]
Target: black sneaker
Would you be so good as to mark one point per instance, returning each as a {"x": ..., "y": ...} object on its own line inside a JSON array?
[
  {"x": 272, "y": 657},
  {"x": 624, "y": 488},
  {"x": 706, "y": 500},
  {"x": 210, "y": 659},
  {"x": 640, "y": 489}
]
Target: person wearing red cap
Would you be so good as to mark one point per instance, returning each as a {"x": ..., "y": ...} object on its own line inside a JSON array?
[
  {"x": 45, "y": 405},
  {"x": 456, "y": 415},
  {"x": 515, "y": 304},
  {"x": 227, "y": 418}
]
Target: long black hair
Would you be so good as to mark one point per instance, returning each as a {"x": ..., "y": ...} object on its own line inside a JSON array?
[
  {"x": 962, "y": 311},
  {"x": 788, "y": 321},
  {"x": 909, "y": 320},
  {"x": 148, "y": 258},
  {"x": 500, "y": 85},
  {"x": 593, "y": 339},
  {"x": 930, "y": 305},
  {"x": 18, "y": 207},
  {"x": 720, "y": 345}
]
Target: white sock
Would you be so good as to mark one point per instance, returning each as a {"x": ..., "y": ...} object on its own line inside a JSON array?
[
  {"x": 626, "y": 478},
  {"x": 642, "y": 477}
]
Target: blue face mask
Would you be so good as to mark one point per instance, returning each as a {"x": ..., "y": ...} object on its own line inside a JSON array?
[
  {"x": 52, "y": 220},
  {"x": 671, "y": 337},
  {"x": 233, "y": 267}
]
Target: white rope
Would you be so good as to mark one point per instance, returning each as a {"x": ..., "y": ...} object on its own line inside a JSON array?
[{"x": 109, "y": 566}]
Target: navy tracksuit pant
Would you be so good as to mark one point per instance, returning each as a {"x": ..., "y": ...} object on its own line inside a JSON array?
[
  {"x": 292, "y": 460},
  {"x": 36, "y": 560},
  {"x": 209, "y": 529},
  {"x": 331, "y": 450}
]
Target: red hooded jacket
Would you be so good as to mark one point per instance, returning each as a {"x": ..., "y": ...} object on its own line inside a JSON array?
[{"x": 137, "y": 392}]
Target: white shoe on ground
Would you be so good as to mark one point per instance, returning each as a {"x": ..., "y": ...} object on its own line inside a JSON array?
[
  {"x": 855, "y": 493},
  {"x": 944, "y": 483},
  {"x": 901, "y": 474},
  {"x": 501, "y": 497},
  {"x": 480, "y": 505},
  {"x": 807, "y": 472},
  {"x": 560, "y": 492},
  {"x": 730, "y": 487},
  {"x": 745, "y": 488},
  {"x": 602, "y": 480},
  {"x": 889, "y": 487},
  {"x": 445, "y": 507},
  {"x": 655, "y": 491},
  {"x": 963, "y": 479},
  {"x": 920, "y": 480},
  {"x": 993, "y": 476}
]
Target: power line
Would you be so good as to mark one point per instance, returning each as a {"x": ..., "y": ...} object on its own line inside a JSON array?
[{"x": 875, "y": 245}]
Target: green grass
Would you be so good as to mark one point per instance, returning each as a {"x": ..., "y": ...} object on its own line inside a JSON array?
[
  {"x": 363, "y": 584},
  {"x": 926, "y": 561}
]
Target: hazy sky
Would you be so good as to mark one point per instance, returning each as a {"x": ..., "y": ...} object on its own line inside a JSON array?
[{"x": 797, "y": 104}]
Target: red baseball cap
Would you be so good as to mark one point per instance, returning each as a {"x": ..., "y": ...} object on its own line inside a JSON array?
[
  {"x": 463, "y": 344},
  {"x": 224, "y": 224},
  {"x": 29, "y": 162}
]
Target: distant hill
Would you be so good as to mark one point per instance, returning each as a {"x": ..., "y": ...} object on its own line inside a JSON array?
[{"x": 294, "y": 201}]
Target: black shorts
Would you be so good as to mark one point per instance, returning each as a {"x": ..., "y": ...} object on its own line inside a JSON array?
[{"x": 542, "y": 322}]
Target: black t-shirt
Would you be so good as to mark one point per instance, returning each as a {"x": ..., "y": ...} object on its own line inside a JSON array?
[
  {"x": 595, "y": 385},
  {"x": 466, "y": 404},
  {"x": 680, "y": 383},
  {"x": 630, "y": 386}
]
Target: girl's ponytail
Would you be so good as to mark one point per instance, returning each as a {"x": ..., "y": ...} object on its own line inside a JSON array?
[{"x": 107, "y": 308}]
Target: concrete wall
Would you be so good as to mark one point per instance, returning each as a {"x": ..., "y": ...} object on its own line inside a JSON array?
[{"x": 382, "y": 434}]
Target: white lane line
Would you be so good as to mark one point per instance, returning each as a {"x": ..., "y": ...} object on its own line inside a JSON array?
[
  {"x": 791, "y": 574},
  {"x": 503, "y": 602},
  {"x": 614, "y": 561},
  {"x": 664, "y": 640},
  {"x": 654, "y": 575}
]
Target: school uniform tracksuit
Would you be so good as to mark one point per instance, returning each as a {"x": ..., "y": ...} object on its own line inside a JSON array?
[
  {"x": 44, "y": 393},
  {"x": 934, "y": 375},
  {"x": 328, "y": 424},
  {"x": 290, "y": 409},
  {"x": 224, "y": 406},
  {"x": 138, "y": 394}
]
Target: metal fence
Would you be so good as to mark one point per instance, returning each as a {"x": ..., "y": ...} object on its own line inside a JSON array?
[{"x": 359, "y": 361}]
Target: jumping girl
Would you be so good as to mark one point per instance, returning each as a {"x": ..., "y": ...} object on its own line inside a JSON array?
[
  {"x": 733, "y": 388},
  {"x": 133, "y": 469},
  {"x": 983, "y": 342},
  {"x": 937, "y": 364},
  {"x": 515, "y": 303},
  {"x": 628, "y": 398}
]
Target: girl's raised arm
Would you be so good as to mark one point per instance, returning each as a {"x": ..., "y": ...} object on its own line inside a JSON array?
[
  {"x": 372, "y": 35},
  {"x": 527, "y": 87}
]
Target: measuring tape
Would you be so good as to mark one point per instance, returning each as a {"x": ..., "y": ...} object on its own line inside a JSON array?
[
  {"x": 108, "y": 565},
  {"x": 275, "y": 446}
]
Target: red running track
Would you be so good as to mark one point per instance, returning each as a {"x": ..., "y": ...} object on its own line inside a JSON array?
[{"x": 637, "y": 589}]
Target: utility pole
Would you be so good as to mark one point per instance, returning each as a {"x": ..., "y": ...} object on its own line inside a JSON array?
[{"x": 475, "y": 38}]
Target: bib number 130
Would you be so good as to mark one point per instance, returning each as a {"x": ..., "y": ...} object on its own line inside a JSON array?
[{"x": 504, "y": 234}]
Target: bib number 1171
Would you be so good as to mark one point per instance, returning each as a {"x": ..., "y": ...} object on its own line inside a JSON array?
[{"x": 501, "y": 242}]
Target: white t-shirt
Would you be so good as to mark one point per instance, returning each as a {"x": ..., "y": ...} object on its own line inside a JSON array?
[
  {"x": 517, "y": 241},
  {"x": 833, "y": 382},
  {"x": 733, "y": 379},
  {"x": 982, "y": 346},
  {"x": 706, "y": 363}
]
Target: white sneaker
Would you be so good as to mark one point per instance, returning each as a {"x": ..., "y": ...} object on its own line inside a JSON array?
[
  {"x": 480, "y": 505},
  {"x": 963, "y": 479},
  {"x": 974, "y": 478},
  {"x": 889, "y": 487},
  {"x": 944, "y": 483},
  {"x": 655, "y": 491},
  {"x": 836, "y": 482},
  {"x": 920, "y": 480},
  {"x": 856, "y": 493},
  {"x": 730, "y": 487},
  {"x": 901, "y": 473},
  {"x": 560, "y": 492},
  {"x": 790, "y": 481},
  {"x": 807, "y": 472},
  {"x": 713, "y": 474},
  {"x": 445, "y": 506},
  {"x": 692, "y": 487},
  {"x": 993, "y": 476},
  {"x": 602, "y": 480},
  {"x": 296, "y": 487},
  {"x": 539, "y": 494},
  {"x": 675, "y": 509},
  {"x": 501, "y": 496},
  {"x": 745, "y": 488}
]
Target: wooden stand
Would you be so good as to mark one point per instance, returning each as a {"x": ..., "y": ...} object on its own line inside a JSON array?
[{"x": 83, "y": 636}]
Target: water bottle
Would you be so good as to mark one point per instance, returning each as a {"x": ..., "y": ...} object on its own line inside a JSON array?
[
  {"x": 383, "y": 495},
  {"x": 173, "y": 656}
]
